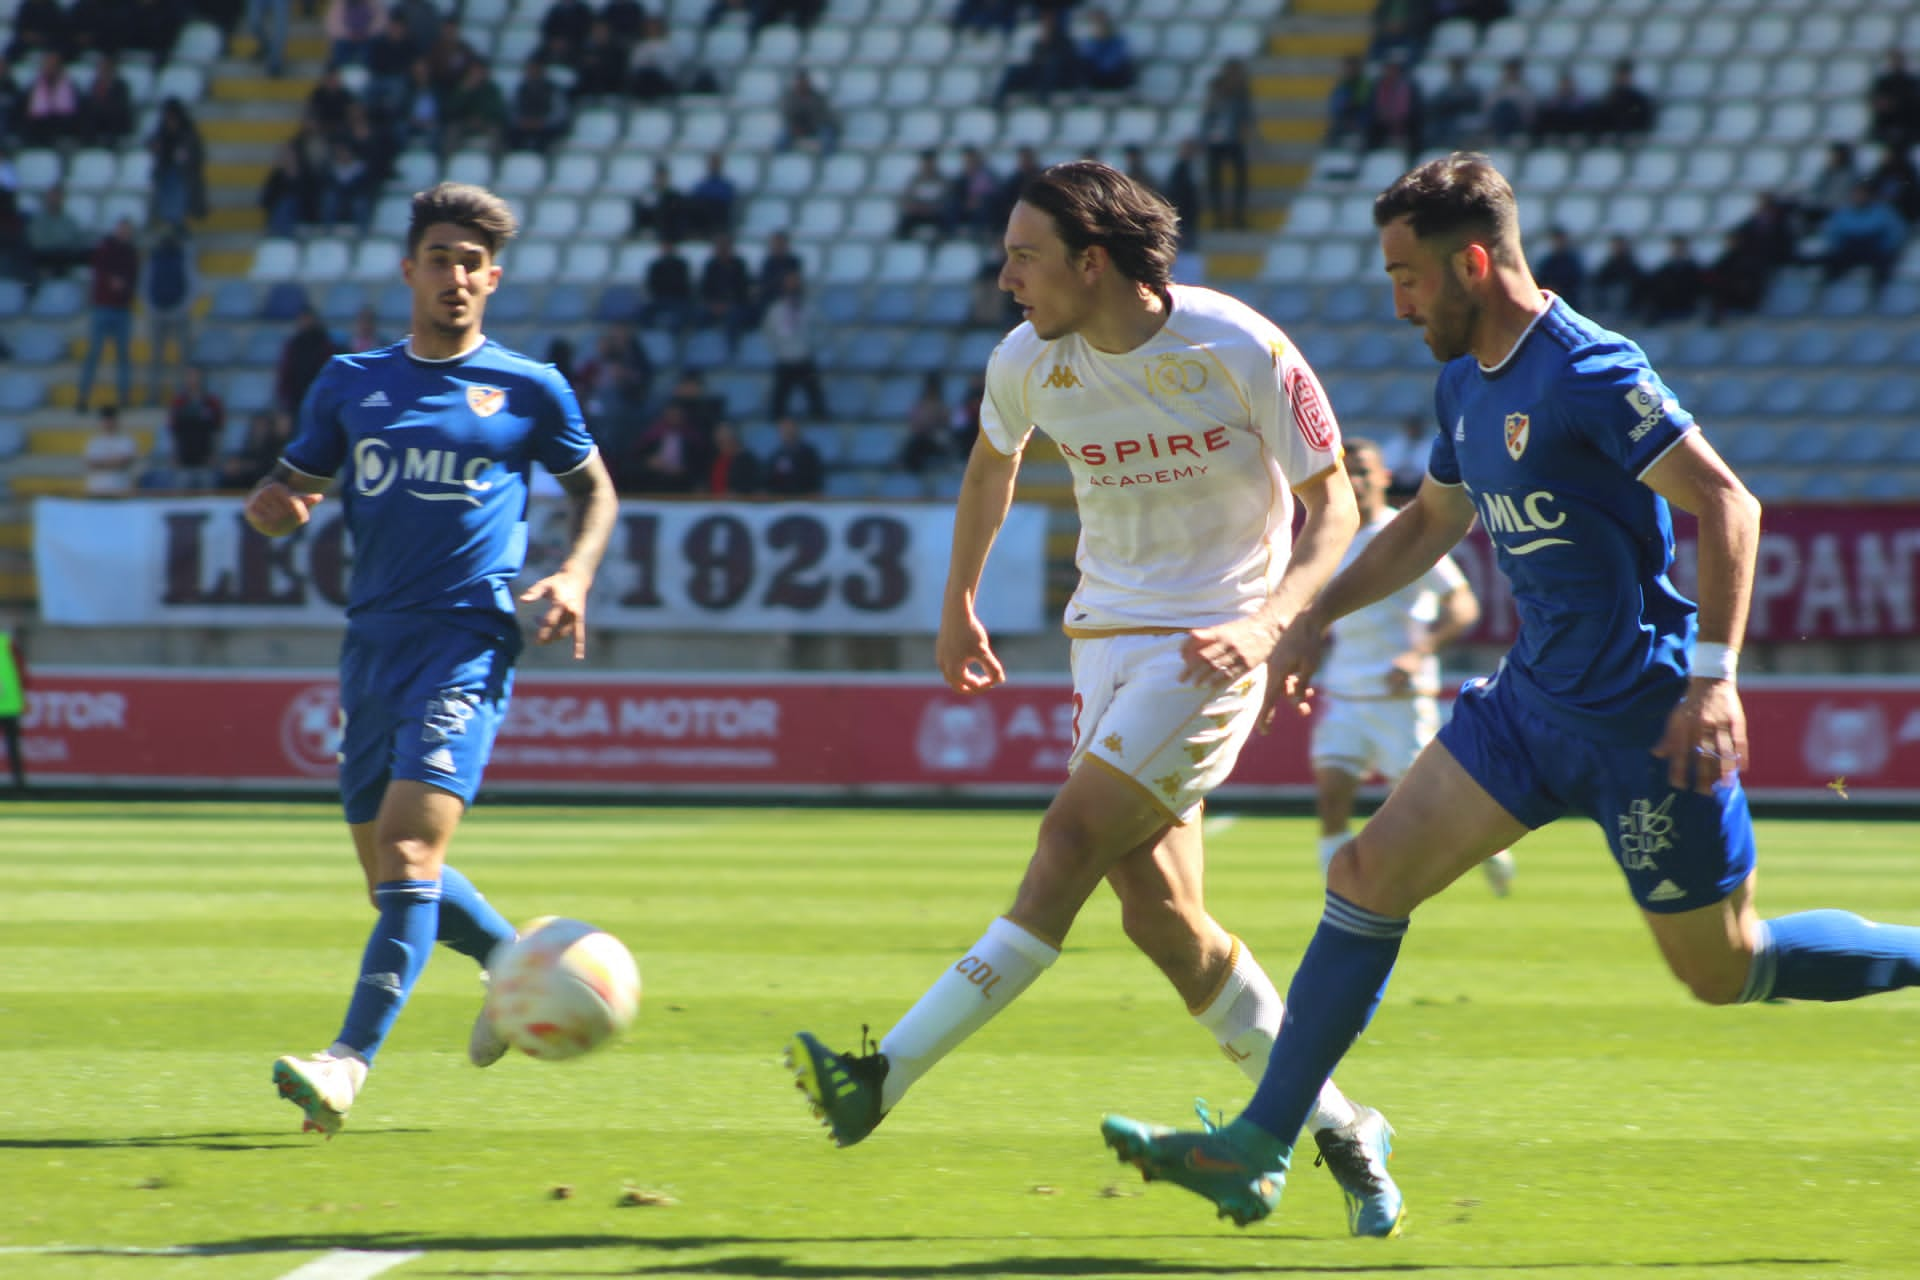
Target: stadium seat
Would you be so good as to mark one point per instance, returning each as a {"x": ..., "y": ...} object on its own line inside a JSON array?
[
  {"x": 1895, "y": 395},
  {"x": 22, "y": 392},
  {"x": 848, "y": 263},
  {"x": 790, "y": 174},
  {"x": 703, "y": 131},
  {"x": 765, "y": 215},
  {"x": 972, "y": 127},
  {"x": 234, "y": 300},
  {"x": 37, "y": 344},
  {"x": 586, "y": 262},
  {"x": 777, "y": 45},
  {"x": 522, "y": 175},
  {"x": 875, "y": 46},
  {"x": 375, "y": 260},
  {"x": 283, "y": 300},
  {"x": 649, "y": 129},
  {"x": 275, "y": 259},
  {"x": 1310, "y": 215},
  {"x": 555, "y": 217},
  {"x": 917, "y": 129},
  {"x": 249, "y": 391},
  {"x": 872, "y": 218},
  {"x": 92, "y": 169},
  {"x": 1027, "y": 127},
  {"x": 38, "y": 168},
  {"x": 901, "y": 262},
  {"x": 475, "y": 167},
  {"x": 1287, "y": 260},
  {"x": 820, "y": 218},
  {"x": 959, "y": 86}
]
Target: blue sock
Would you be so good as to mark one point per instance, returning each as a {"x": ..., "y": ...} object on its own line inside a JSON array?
[
  {"x": 397, "y": 951},
  {"x": 1831, "y": 955},
  {"x": 468, "y": 922},
  {"x": 1329, "y": 1003}
]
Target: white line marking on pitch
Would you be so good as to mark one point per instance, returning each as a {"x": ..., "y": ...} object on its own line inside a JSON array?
[
  {"x": 1214, "y": 826},
  {"x": 351, "y": 1264}
]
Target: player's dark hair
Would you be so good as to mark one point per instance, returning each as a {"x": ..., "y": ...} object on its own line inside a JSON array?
[
  {"x": 1457, "y": 197},
  {"x": 1095, "y": 204},
  {"x": 1355, "y": 444},
  {"x": 472, "y": 208}
]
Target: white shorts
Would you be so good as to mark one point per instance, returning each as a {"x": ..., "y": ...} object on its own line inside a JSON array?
[
  {"x": 1361, "y": 735},
  {"x": 1178, "y": 741}
]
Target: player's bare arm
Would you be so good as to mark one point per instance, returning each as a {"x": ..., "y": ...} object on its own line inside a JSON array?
[
  {"x": 962, "y": 650},
  {"x": 283, "y": 501},
  {"x": 1218, "y": 656},
  {"x": 1411, "y": 543},
  {"x": 1459, "y": 610},
  {"x": 1709, "y": 727},
  {"x": 592, "y": 509}
]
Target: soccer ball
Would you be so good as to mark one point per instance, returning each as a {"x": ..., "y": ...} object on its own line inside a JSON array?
[{"x": 562, "y": 988}]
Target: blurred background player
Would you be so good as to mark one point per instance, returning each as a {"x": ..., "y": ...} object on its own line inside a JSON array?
[
  {"x": 1190, "y": 424},
  {"x": 436, "y": 435},
  {"x": 1379, "y": 688},
  {"x": 1617, "y": 701}
]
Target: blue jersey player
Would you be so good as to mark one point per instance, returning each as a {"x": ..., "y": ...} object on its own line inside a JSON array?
[
  {"x": 431, "y": 440},
  {"x": 1617, "y": 701}
]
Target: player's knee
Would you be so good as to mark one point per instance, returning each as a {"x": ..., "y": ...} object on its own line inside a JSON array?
[
  {"x": 410, "y": 858},
  {"x": 1713, "y": 984}
]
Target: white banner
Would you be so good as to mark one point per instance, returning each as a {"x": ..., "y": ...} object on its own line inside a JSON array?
[{"x": 741, "y": 567}]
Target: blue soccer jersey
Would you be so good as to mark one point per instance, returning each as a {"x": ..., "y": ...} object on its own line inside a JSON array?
[
  {"x": 436, "y": 455},
  {"x": 1551, "y": 446}
]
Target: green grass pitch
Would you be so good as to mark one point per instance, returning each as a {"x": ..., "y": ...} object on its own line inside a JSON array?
[{"x": 1564, "y": 1111}]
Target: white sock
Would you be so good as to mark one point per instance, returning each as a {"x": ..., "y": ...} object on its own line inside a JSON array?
[
  {"x": 1330, "y": 845},
  {"x": 1244, "y": 1016},
  {"x": 1000, "y": 966}
]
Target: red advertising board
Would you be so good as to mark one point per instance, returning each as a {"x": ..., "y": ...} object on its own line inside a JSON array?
[{"x": 835, "y": 735}]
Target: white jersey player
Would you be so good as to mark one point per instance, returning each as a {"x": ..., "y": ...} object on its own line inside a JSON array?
[
  {"x": 1191, "y": 426},
  {"x": 1379, "y": 687}
]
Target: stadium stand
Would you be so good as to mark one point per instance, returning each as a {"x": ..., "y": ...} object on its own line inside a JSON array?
[{"x": 1748, "y": 93}]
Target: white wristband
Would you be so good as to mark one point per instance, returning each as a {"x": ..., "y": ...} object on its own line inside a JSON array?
[{"x": 1712, "y": 661}]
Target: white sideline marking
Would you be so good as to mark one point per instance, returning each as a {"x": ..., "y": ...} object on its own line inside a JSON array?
[
  {"x": 1214, "y": 826},
  {"x": 133, "y": 1251},
  {"x": 351, "y": 1264},
  {"x": 341, "y": 1264}
]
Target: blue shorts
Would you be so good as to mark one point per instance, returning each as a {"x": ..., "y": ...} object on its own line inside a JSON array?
[
  {"x": 420, "y": 699},
  {"x": 1679, "y": 849}
]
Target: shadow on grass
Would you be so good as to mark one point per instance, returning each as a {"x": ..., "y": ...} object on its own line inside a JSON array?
[
  {"x": 758, "y": 1266},
  {"x": 275, "y": 1141},
  {"x": 1022, "y": 1268}
]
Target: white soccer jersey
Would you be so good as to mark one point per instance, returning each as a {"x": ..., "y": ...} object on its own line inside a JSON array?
[
  {"x": 1366, "y": 642},
  {"x": 1183, "y": 451}
]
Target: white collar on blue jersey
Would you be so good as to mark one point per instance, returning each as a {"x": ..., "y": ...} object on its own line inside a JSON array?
[
  {"x": 480, "y": 340},
  {"x": 1521, "y": 341}
]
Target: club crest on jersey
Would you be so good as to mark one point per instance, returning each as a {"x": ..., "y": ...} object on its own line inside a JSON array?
[
  {"x": 1517, "y": 431},
  {"x": 487, "y": 401}
]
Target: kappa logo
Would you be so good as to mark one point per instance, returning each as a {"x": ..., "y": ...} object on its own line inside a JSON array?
[
  {"x": 1063, "y": 378},
  {"x": 1517, "y": 433},
  {"x": 486, "y": 401},
  {"x": 378, "y": 400}
]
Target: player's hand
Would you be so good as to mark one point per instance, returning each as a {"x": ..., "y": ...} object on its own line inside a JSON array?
[
  {"x": 276, "y": 511},
  {"x": 567, "y": 614},
  {"x": 1401, "y": 675},
  {"x": 1706, "y": 738},
  {"x": 1293, "y": 661},
  {"x": 964, "y": 655},
  {"x": 1215, "y": 657}
]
